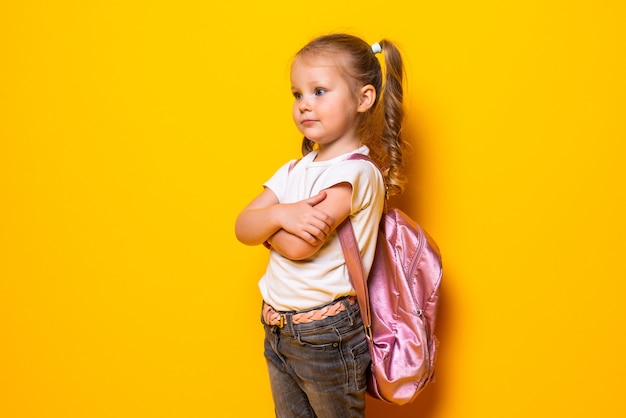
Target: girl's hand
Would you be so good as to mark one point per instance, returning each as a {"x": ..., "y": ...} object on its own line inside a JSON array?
[
  {"x": 306, "y": 222},
  {"x": 309, "y": 227},
  {"x": 265, "y": 217}
]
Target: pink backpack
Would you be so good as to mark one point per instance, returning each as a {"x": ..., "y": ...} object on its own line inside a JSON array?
[{"x": 398, "y": 303}]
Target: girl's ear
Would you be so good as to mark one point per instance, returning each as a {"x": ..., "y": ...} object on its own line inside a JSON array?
[{"x": 367, "y": 96}]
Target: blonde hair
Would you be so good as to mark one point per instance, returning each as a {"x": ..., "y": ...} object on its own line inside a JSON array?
[{"x": 380, "y": 127}]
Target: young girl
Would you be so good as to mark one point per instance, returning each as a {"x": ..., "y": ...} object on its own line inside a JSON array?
[{"x": 315, "y": 345}]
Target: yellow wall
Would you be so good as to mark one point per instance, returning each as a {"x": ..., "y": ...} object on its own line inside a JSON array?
[{"x": 132, "y": 133}]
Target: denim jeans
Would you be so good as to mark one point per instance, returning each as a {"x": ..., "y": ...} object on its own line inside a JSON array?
[{"x": 318, "y": 370}]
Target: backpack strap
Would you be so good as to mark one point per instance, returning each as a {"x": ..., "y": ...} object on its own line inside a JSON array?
[{"x": 350, "y": 248}]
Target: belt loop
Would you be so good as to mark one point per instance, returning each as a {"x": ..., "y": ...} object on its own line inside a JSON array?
[
  {"x": 287, "y": 320},
  {"x": 346, "y": 304}
]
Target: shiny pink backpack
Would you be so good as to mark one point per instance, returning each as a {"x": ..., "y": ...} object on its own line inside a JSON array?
[{"x": 399, "y": 302}]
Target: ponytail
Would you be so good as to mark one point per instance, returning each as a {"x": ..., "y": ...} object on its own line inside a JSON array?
[{"x": 393, "y": 116}]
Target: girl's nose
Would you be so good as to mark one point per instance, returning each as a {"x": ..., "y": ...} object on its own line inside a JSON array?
[{"x": 304, "y": 105}]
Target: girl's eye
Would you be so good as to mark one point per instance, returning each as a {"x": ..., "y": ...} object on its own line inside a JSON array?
[
  {"x": 297, "y": 95},
  {"x": 319, "y": 91}
]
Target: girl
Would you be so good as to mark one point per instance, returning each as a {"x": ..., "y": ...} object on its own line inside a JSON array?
[{"x": 315, "y": 345}]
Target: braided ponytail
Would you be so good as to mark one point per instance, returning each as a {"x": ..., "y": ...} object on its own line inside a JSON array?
[{"x": 393, "y": 116}]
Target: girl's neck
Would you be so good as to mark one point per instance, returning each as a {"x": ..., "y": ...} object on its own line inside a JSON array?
[{"x": 329, "y": 151}]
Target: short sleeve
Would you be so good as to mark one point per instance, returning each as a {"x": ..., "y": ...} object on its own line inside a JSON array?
[
  {"x": 278, "y": 182},
  {"x": 365, "y": 178}
]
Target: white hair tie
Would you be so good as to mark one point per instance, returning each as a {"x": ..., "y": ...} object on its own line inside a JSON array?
[{"x": 376, "y": 48}]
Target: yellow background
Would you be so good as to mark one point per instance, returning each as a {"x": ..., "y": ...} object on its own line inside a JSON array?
[{"x": 132, "y": 133}]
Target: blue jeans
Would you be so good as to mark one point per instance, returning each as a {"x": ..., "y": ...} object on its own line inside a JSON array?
[{"x": 318, "y": 370}]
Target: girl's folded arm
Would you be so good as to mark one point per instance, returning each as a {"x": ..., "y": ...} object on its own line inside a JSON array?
[
  {"x": 258, "y": 221},
  {"x": 265, "y": 216},
  {"x": 336, "y": 206}
]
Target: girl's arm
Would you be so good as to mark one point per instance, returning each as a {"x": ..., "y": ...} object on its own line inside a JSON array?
[
  {"x": 336, "y": 205},
  {"x": 265, "y": 216}
]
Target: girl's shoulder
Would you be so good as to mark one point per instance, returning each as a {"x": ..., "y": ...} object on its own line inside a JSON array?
[
  {"x": 356, "y": 169},
  {"x": 360, "y": 160}
]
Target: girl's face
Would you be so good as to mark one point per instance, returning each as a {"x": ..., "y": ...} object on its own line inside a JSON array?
[{"x": 325, "y": 109}]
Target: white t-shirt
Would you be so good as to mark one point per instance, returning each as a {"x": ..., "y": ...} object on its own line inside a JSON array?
[{"x": 294, "y": 285}]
